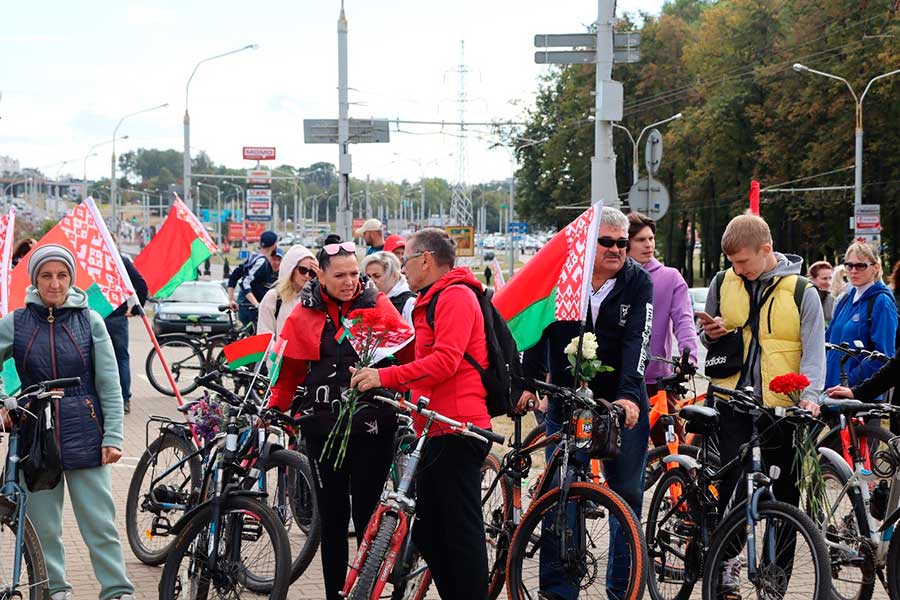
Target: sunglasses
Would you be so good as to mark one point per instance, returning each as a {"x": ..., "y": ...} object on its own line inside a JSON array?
[
  {"x": 405, "y": 259},
  {"x": 332, "y": 249},
  {"x": 857, "y": 266},
  {"x": 311, "y": 273},
  {"x": 608, "y": 242}
]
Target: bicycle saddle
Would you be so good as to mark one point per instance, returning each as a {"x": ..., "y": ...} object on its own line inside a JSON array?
[{"x": 700, "y": 419}]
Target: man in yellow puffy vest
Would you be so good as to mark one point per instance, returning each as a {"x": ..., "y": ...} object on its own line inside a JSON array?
[{"x": 783, "y": 332}]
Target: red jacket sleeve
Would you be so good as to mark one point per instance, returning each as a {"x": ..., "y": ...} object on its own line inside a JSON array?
[
  {"x": 458, "y": 307},
  {"x": 293, "y": 372}
]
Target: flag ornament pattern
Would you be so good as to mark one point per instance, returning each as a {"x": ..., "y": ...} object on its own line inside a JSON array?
[
  {"x": 7, "y": 239},
  {"x": 247, "y": 351},
  {"x": 555, "y": 284},
  {"x": 185, "y": 214}
]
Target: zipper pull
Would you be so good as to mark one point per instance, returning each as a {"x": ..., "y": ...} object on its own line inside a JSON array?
[
  {"x": 90, "y": 405},
  {"x": 50, "y": 317}
]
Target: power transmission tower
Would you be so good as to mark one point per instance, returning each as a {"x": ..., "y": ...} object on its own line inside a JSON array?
[{"x": 460, "y": 201}]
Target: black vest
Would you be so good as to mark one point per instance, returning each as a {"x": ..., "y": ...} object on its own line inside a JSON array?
[
  {"x": 50, "y": 348},
  {"x": 399, "y": 301}
]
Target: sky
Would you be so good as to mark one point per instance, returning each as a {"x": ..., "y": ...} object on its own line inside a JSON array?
[{"x": 72, "y": 70}]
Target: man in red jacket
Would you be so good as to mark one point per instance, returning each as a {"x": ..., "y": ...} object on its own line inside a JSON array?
[{"x": 450, "y": 529}]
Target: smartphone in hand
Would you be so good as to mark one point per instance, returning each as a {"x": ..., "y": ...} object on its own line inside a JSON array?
[{"x": 703, "y": 317}]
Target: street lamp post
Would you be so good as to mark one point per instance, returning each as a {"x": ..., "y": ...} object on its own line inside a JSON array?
[
  {"x": 90, "y": 154},
  {"x": 240, "y": 192},
  {"x": 857, "y": 185},
  {"x": 635, "y": 143},
  {"x": 112, "y": 175},
  {"x": 218, "y": 207},
  {"x": 187, "y": 121}
]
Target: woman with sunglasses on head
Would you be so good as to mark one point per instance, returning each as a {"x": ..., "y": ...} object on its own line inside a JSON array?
[
  {"x": 298, "y": 267},
  {"x": 866, "y": 312},
  {"x": 319, "y": 358}
]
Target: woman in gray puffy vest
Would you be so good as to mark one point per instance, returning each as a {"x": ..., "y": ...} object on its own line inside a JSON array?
[{"x": 56, "y": 335}]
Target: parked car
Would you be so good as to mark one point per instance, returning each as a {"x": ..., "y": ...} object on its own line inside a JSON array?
[
  {"x": 193, "y": 308},
  {"x": 698, "y": 302}
]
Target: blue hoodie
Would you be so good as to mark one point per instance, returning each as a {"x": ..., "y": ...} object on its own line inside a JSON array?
[{"x": 849, "y": 324}]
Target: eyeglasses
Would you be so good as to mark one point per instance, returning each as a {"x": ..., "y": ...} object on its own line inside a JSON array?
[
  {"x": 608, "y": 242},
  {"x": 332, "y": 249},
  {"x": 308, "y": 272},
  {"x": 857, "y": 266},
  {"x": 406, "y": 258}
]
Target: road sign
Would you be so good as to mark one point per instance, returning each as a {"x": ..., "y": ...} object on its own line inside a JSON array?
[
  {"x": 624, "y": 56},
  {"x": 653, "y": 151},
  {"x": 517, "y": 227},
  {"x": 650, "y": 197},
  {"x": 259, "y": 153},
  {"x": 565, "y": 57},
  {"x": 259, "y": 177},
  {"x": 626, "y": 48},
  {"x": 464, "y": 236},
  {"x": 362, "y": 131},
  {"x": 868, "y": 219},
  {"x": 558, "y": 40}
]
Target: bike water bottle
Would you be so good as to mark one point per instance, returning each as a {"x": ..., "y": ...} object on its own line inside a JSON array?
[{"x": 584, "y": 427}]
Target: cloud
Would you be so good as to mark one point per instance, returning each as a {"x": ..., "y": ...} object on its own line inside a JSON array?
[
  {"x": 36, "y": 38},
  {"x": 149, "y": 15}
]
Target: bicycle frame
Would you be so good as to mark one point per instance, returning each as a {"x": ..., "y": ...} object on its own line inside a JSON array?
[{"x": 12, "y": 490}]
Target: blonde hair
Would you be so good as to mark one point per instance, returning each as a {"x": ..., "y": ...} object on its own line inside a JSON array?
[
  {"x": 745, "y": 231},
  {"x": 868, "y": 251},
  {"x": 838, "y": 280},
  {"x": 285, "y": 285}
]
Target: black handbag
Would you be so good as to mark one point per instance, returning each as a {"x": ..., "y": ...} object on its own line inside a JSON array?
[
  {"x": 41, "y": 464},
  {"x": 606, "y": 432},
  {"x": 725, "y": 356}
]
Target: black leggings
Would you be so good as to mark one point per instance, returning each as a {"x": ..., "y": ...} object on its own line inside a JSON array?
[{"x": 362, "y": 475}]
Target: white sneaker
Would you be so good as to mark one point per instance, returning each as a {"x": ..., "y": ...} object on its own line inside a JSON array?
[
  {"x": 63, "y": 595},
  {"x": 731, "y": 574}
]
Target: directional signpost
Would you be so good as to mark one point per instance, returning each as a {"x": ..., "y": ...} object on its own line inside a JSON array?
[
  {"x": 259, "y": 195},
  {"x": 362, "y": 131},
  {"x": 653, "y": 152},
  {"x": 867, "y": 224},
  {"x": 650, "y": 197}
]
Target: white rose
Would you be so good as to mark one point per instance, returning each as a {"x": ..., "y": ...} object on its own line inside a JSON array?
[
  {"x": 589, "y": 346},
  {"x": 572, "y": 348}
]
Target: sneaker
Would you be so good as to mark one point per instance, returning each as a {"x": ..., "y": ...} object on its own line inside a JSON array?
[
  {"x": 127, "y": 408},
  {"x": 63, "y": 595},
  {"x": 731, "y": 577}
]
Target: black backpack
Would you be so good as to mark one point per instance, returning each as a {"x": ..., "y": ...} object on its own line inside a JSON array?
[{"x": 504, "y": 370}]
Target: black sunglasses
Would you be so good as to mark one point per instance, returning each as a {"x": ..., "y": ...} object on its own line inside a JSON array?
[
  {"x": 608, "y": 242},
  {"x": 857, "y": 266},
  {"x": 311, "y": 273}
]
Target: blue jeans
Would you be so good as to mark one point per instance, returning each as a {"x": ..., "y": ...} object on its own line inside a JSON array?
[
  {"x": 247, "y": 313},
  {"x": 117, "y": 326},
  {"x": 625, "y": 476}
]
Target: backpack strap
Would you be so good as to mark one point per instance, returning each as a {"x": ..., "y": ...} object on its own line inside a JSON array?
[
  {"x": 278, "y": 302},
  {"x": 720, "y": 277},
  {"x": 429, "y": 318},
  {"x": 799, "y": 289},
  {"x": 869, "y": 321}
]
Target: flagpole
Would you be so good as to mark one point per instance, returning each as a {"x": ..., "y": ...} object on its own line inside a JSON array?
[
  {"x": 259, "y": 368},
  {"x": 162, "y": 359}
]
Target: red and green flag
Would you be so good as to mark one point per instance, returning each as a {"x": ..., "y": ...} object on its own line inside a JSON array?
[
  {"x": 173, "y": 255},
  {"x": 555, "y": 284},
  {"x": 247, "y": 351},
  {"x": 7, "y": 239}
]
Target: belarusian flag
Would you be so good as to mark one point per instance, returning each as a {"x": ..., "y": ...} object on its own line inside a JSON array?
[
  {"x": 247, "y": 351},
  {"x": 99, "y": 269},
  {"x": 173, "y": 255},
  {"x": 7, "y": 239},
  {"x": 273, "y": 360},
  {"x": 554, "y": 285}
]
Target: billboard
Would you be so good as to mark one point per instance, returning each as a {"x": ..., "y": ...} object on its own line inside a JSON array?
[
  {"x": 464, "y": 236},
  {"x": 259, "y": 153}
]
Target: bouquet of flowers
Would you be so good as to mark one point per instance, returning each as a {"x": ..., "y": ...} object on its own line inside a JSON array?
[
  {"x": 207, "y": 417},
  {"x": 590, "y": 365},
  {"x": 374, "y": 334},
  {"x": 789, "y": 384}
]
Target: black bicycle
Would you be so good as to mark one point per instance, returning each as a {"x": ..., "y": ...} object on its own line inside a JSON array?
[
  {"x": 760, "y": 548},
  {"x": 190, "y": 356}
]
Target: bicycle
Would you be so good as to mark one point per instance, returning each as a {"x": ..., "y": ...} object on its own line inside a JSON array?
[
  {"x": 688, "y": 539},
  {"x": 858, "y": 514},
  {"x": 175, "y": 489},
  {"x": 26, "y": 573},
  {"x": 190, "y": 356},
  {"x": 209, "y": 554},
  {"x": 390, "y": 528}
]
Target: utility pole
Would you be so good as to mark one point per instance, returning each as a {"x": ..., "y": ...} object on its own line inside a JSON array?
[
  {"x": 368, "y": 199},
  {"x": 603, "y": 163},
  {"x": 344, "y": 215}
]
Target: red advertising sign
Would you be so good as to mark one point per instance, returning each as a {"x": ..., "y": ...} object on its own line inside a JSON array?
[
  {"x": 254, "y": 230},
  {"x": 259, "y": 153}
]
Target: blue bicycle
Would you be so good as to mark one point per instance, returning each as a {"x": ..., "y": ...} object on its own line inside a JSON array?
[{"x": 23, "y": 573}]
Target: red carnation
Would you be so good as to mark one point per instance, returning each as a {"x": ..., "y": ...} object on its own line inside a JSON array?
[{"x": 790, "y": 384}]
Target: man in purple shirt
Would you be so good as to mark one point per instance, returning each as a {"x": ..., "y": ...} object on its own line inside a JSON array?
[{"x": 672, "y": 310}]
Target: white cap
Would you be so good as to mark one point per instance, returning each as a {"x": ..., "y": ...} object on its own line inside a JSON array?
[{"x": 369, "y": 225}]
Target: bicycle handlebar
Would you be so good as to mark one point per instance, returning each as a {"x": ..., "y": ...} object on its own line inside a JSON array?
[
  {"x": 844, "y": 348},
  {"x": 461, "y": 428},
  {"x": 748, "y": 401},
  {"x": 12, "y": 403}
]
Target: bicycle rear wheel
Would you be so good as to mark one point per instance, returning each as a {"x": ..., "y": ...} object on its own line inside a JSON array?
[
  {"x": 791, "y": 560},
  {"x": 536, "y": 564},
  {"x": 185, "y": 360},
  {"x": 33, "y": 579},
  {"x": 251, "y": 540}
]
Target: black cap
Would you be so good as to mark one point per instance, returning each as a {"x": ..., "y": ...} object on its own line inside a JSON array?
[{"x": 268, "y": 239}]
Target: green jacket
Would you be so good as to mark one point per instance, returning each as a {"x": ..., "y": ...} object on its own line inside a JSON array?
[{"x": 106, "y": 370}]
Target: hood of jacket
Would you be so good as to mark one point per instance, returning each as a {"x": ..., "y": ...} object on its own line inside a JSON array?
[
  {"x": 400, "y": 287},
  {"x": 454, "y": 276},
  {"x": 76, "y": 298},
  {"x": 653, "y": 265},
  {"x": 312, "y": 295},
  {"x": 787, "y": 264},
  {"x": 290, "y": 260},
  {"x": 877, "y": 288}
]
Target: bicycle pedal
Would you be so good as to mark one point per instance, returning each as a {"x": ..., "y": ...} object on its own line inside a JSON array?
[
  {"x": 160, "y": 526},
  {"x": 251, "y": 531},
  {"x": 595, "y": 512}
]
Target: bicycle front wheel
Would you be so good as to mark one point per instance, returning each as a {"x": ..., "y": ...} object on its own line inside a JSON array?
[
  {"x": 32, "y": 582},
  {"x": 541, "y": 560},
  {"x": 185, "y": 360},
  {"x": 252, "y": 544},
  {"x": 788, "y": 558},
  {"x": 362, "y": 589}
]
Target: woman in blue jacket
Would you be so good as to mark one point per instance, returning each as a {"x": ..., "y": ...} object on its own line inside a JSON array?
[{"x": 867, "y": 312}]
